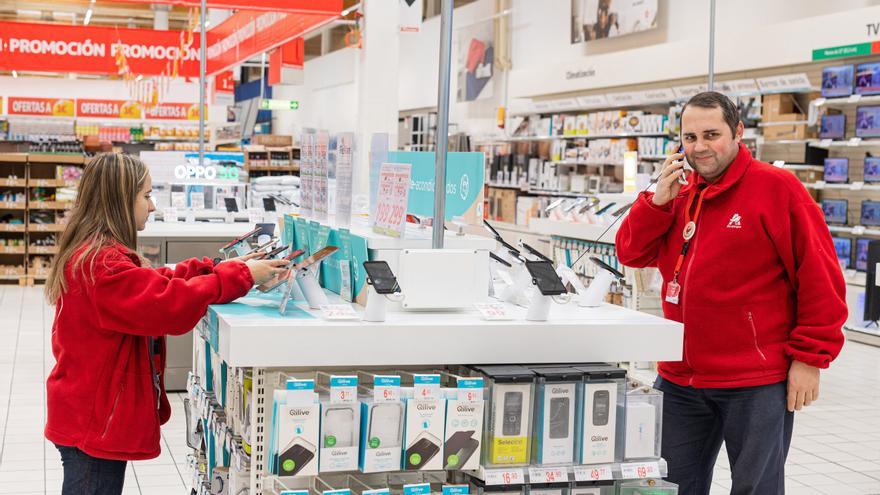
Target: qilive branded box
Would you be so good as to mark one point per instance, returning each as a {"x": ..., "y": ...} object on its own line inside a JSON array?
[{"x": 425, "y": 421}]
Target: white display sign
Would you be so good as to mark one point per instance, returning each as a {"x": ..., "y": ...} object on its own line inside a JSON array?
[
  {"x": 566, "y": 104},
  {"x": 592, "y": 101},
  {"x": 504, "y": 476},
  {"x": 784, "y": 83},
  {"x": 686, "y": 92},
  {"x": 332, "y": 312},
  {"x": 394, "y": 183},
  {"x": 321, "y": 177},
  {"x": 410, "y": 16},
  {"x": 738, "y": 87},
  {"x": 548, "y": 475},
  {"x": 344, "y": 172},
  {"x": 493, "y": 311}
]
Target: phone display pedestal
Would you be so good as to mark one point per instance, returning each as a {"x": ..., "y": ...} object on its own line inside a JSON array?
[
  {"x": 598, "y": 289},
  {"x": 539, "y": 308},
  {"x": 514, "y": 293},
  {"x": 308, "y": 281},
  {"x": 376, "y": 306}
]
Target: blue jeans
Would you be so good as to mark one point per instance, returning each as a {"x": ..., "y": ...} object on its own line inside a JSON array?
[
  {"x": 753, "y": 422},
  {"x": 87, "y": 475}
]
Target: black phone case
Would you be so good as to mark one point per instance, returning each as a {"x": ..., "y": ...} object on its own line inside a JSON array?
[
  {"x": 299, "y": 455},
  {"x": 462, "y": 445},
  {"x": 425, "y": 448}
]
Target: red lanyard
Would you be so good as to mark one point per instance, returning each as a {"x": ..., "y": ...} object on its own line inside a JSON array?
[{"x": 690, "y": 228}]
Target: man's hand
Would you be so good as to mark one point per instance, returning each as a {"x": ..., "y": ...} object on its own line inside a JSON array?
[
  {"x": 668, "y": 185},
  {"x": 803, "y": 385}
]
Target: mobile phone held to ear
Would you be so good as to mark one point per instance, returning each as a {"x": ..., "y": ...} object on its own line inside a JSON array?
[{"x": 687, "y": 167}]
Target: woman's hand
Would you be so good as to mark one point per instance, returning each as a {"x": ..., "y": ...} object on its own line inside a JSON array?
[
  {"x": 265, "y": 270},
  {"x": 248, "y": 257}
]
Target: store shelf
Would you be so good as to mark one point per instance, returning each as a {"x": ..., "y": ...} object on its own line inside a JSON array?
[
  {"x": 783, "y": 122},
  {"x": 595, "y": 164},
  {"x": 12, "y": 249},
  {"x": 783, "y": 141},
  {"x": 847, "y": 101},
  {"x": 652, "y": 468},
  {"x": 50, "y": 205},
  {"x": 853, "y": 277},
  {"x": 52, "y": 183},
  {"x": 571, "y": 230},
  {"x": 587, "y": 136},
  {"x": 12, "y": 227},
  {"x": 508, "y": 186},
  {"x": 852, "y": 187},
  {"x": 813, "y": 168},
  {"x": 13, "y": 183},
  {"x": 42, "y": 249},
  {"x": 272, "y": 168},
  {"x": 194, "y": 230},
  {"x": 850, "y": 143},
  {"x": 46, "y": 227},
  {"x": 13, "y": 157},
  {"x": 251, "y": 332},
  {"x": 56, "y": 158},
  {"x": 10, "y": 205},
  {"x": 858, "y": 230}
]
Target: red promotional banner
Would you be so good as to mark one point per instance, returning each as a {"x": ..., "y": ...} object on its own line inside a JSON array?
[
  {"x": 174, "y": 111},
  {"x": 115, "y": 109},
  {"x": 290, "y": 55},
  {"x": 87, "y": 49},
  {"x": 247, "y": 33},
  {"x": 49, "y": 107},
  {"x": 290, "y": 6},
  {"x": 224, "y": 82}
]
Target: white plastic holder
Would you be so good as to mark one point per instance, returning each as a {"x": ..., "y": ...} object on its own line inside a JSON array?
[
  {"x": 307, "y": 279},
  {"x": 377, "y": 304},
  {"x": 596, "y": 293},
  {"x": 516, "y": 293},
  {"x": 539, "y": 308}
]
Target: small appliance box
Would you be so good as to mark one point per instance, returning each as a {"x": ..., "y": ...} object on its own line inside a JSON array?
[
  {"x": 340, "y": 426},
  {"x": 382, "y": 426},
  {"x": 509, "y": 415},
  {"x": 423, "y": 433},
  {"x": 644, "y": 416},
  {"x": 602, "y": 414},
  {"x": 464, "y": 427},
  {"x": 556, "y": 408},
  {"x": 298, "y": 430}
]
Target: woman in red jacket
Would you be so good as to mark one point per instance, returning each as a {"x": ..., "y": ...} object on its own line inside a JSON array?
[{"x": 106, "y": 397}]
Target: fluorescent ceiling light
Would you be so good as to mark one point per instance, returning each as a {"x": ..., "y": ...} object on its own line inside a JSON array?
[{"x": 88, "y": 17}]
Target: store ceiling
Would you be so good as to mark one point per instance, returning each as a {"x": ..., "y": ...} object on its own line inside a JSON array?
[{"x": 103, "y": 13}]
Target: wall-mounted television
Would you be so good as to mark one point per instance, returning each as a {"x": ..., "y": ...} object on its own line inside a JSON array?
[
  {"x": 843, "y": 248},
  {"x": 870, "y": 213},
  {"x": 868, "y": 78},
  {"x": 862, "y": 254},
  {"x": 836, "y": 170},
  {"x": 872, "y": 169},
  {"x": 833, "y": 127},
  {"x": 835, "y": 210},
  {"x": 837, "y": 81}
]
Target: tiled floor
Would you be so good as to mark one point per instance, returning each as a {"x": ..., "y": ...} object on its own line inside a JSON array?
[{"x": 836, "y": 446}]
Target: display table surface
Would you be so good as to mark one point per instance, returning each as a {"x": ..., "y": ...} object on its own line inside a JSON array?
[
  {"x": 194, "y": 230},
  {"x": 252, "y": 332}
]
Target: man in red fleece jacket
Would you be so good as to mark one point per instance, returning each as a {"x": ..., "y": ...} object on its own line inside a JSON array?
[{"x": 749, "y": 267}]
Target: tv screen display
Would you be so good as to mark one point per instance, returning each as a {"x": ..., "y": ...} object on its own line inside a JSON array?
[
  {"x": 833, "y": 127},
  {"x": 870, "y": 213},
  {"x": 872, "y": 169},
  {"x": 836, "y": 170},
  {"x": 862, "y": 254},
  {"x": 835, "y": 210},
  {"x": 868, "y": 79},
  {"x": 843, "y": 248},
  {"x": 837, "y": 81},
  {"x": 868, "y": 121}
]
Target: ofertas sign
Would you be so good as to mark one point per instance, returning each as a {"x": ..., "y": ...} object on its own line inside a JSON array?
[
  {"x": 88, "y": 49},
  {"x": 114, "y": 109},
  {"x": 49, "y": 107},
  {"x": 174, "y": 111}
]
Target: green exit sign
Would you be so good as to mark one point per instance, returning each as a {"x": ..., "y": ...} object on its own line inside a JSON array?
[{"x": 270, "y": 104}]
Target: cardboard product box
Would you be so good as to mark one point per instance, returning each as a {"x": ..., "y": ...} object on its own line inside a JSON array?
[
  {"x": 272, "y": 140},
  {"x": 792, "y": 131},
  {"x": 505, "y": 201},
  {"x": 773, "y": 106},
  {"x": 527, "y": 208}
]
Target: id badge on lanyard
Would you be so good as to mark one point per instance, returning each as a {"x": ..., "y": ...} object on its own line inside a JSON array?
[{"x": 673, "y": 288}]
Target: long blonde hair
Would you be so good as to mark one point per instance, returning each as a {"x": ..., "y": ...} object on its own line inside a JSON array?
[{"x": 102, "y": 215}]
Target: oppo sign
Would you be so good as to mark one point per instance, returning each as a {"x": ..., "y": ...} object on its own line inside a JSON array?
[{"x": 208, "y": 172}]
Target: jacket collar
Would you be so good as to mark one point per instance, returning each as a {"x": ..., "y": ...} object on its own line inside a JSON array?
[{"x": 730, "y": 176}]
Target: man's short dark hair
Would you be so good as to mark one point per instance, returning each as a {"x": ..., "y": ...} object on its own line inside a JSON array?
[{"x": 713, "y": 99}]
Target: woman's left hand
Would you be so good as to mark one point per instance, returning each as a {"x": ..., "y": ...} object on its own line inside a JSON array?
[{"x": 249, "y": 256}]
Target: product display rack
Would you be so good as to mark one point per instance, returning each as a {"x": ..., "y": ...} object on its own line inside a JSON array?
[
  {"x": 268, "y": 160},
  {"x": 13, "y": 232}
]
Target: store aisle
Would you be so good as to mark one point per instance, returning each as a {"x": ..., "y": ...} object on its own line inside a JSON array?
[{"x": 836, "y": 448}]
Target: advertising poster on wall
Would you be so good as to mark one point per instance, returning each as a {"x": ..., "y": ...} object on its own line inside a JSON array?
[
  {"x": 476, "y": 58},
  {"x": 598, "y": 19}
]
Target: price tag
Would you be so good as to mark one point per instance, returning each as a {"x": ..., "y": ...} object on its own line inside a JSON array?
[
  {"x": 856, "y": 186},
  {"x": 819, "y": 184},
  {"x": 825, "y": 143},
  {"x": 254, "y": 215},
  {"x": 338, "y": 312},
  {"x": 779, "y": 163},
  {"x": 858, "y": 230},
  {"x": 493, "y": 311},
  {"x": 343, "y": 389},
  {"x": 386, "y": 388},
  {"x": 854, "y": 98},
  {"x": 470, "y": 389},
  {"x": 504, "y": 477},
  {"x": 640, "y": 470},
  {"x": 854, "y": 141},
  {"x": 169, "y": 214},
  {"x": 547, "y": 475},
  {"x": 455, "y": 490},
  {"x": 599, "y": 472},
  {"x": 426, "y": 386},
  {"x": 417, "y": 489},
  {"x": 393, "y": 194}
]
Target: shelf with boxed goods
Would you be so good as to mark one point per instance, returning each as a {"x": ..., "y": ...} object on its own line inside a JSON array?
[{"x": 781, "y": 120}]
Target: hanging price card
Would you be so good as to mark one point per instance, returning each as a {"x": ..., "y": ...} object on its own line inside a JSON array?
[
  {"x": 598, "y": 472},
  {"x": 470, "y": 389},
  {"x": 640, "y": 470},
  {"x": 343, "y": 389},
  {"x": 426, "y": 386},
  {"x": 393, "y": 194},
  {"x": 504, "y": 476},
  {"x": 386, "y": 388},
  {"x": 548, "y": 475}
]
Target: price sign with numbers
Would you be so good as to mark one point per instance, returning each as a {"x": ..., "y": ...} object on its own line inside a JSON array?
[
  {"x": 493, "y": 311},
  {"x": 640, "y": 470},
  {"x": 470, "y": 389},
  {"x": 547, "y": 475},
  {"x": 504, "y": 476},
  {"x": 343, "y": 389},
  {"x": 426, "y": 386},
  {"x": 338, "y": 312},
  {"x": 386, "y": 388},
  {"x": 599, "y": 472},
  {"x": 393, "y": 195}
]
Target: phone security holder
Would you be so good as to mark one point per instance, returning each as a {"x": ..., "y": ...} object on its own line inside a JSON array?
[
  {"x": 307, "y": 279},
  {"x": 596, "y": 293},
  {"x": 377, "y": 304},
  {"x": 516, "y": 292},
  {"x": 539, "y": 307}
]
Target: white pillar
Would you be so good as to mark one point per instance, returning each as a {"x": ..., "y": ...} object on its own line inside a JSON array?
[
  {"x": 377, "y": 83},
  {"x": 160, "y": 16}
]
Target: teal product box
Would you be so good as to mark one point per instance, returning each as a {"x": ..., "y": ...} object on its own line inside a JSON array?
[
  {"x": 462, "y": 445},
  {"x": 556, "y": 411},
  {"x": 382, "y": 425},
  {"x": 295, "y": 430},
  {"x": 602, "y": 414},
  {"x": 340, "y": 426},
  {"x": 423, "y": 433},
  {"x": 301, "y": 235}
]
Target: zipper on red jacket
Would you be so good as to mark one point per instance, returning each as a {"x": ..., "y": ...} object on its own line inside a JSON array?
[
  {"x": 112, "y": 412},
  {"x": 755, "y": 335}
]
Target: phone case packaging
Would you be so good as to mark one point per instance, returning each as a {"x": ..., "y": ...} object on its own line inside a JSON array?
[
  {"x": 644, "y": 416},
  {"x": 509, "y": 423},
  {"x": 297, "y": 430},
  {"x": 381, "y": 432},
  {"x": 340, "y": 436},
  {"x": 423, "y": 434},
  {"x": 556, "y": 408},
  {"x": 602, "y": 414}
]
